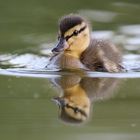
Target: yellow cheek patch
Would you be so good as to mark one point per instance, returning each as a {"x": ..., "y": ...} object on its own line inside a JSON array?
[{"x": 77, "y": 116}]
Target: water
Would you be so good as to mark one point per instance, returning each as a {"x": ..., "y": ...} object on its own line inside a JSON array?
[{"x": 28, "y": 92}]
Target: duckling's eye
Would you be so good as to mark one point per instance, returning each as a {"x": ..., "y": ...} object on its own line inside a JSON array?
[
  {"x": 75, "y": 32},
  {"x": 76, "y": 110}
]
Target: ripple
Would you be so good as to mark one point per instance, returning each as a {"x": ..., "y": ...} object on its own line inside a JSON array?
[
  {"x": 130, "y": 29},
  {"x": 31, "y": 65},
  {"x": 54, "y": 74},
  {"x": 106, "y": 34},
  {"x": 25, "y": 60}
]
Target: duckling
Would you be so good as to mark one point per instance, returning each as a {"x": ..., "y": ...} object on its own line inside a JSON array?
[{"x": 77, "y": 50}]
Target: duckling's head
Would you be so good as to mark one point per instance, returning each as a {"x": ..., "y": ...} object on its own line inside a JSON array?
[
  {"x": 74, "y": 35},
  {"x": 71, "y": 111}
]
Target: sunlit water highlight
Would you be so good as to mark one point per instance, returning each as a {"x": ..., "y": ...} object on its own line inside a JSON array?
[{"x": 33, "y": 65}]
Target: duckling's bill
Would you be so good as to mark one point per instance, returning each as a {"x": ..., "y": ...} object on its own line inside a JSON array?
[{"x": 61, "y": 46}]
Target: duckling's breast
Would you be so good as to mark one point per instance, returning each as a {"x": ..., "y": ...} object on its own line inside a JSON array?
[{"x": 64, "y": 61}]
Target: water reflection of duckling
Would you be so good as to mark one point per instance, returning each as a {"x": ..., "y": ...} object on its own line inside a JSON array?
[
  {"x": 76, "y": 48},
  {"x": 79, "y": 94}
]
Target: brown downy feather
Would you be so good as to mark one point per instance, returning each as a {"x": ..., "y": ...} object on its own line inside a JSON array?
[{"x": 101, "y": 56}]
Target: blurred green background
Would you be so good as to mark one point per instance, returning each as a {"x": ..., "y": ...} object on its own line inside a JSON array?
[
  {"x": 26, "y": 109},
  {"x": 31, "y": 22}
]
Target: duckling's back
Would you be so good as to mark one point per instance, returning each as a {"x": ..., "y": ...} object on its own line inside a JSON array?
[{"x": 102, "y": 55}]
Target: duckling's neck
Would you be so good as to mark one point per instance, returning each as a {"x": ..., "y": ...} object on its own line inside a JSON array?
[
  {"x": 75, "y": 91},
  {"x": 70, "y": 61}
]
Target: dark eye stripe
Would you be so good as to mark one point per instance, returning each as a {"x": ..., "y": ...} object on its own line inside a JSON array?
[
  {"x": 73, "y": 34},
  {"x": 77, "y": 110}
]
